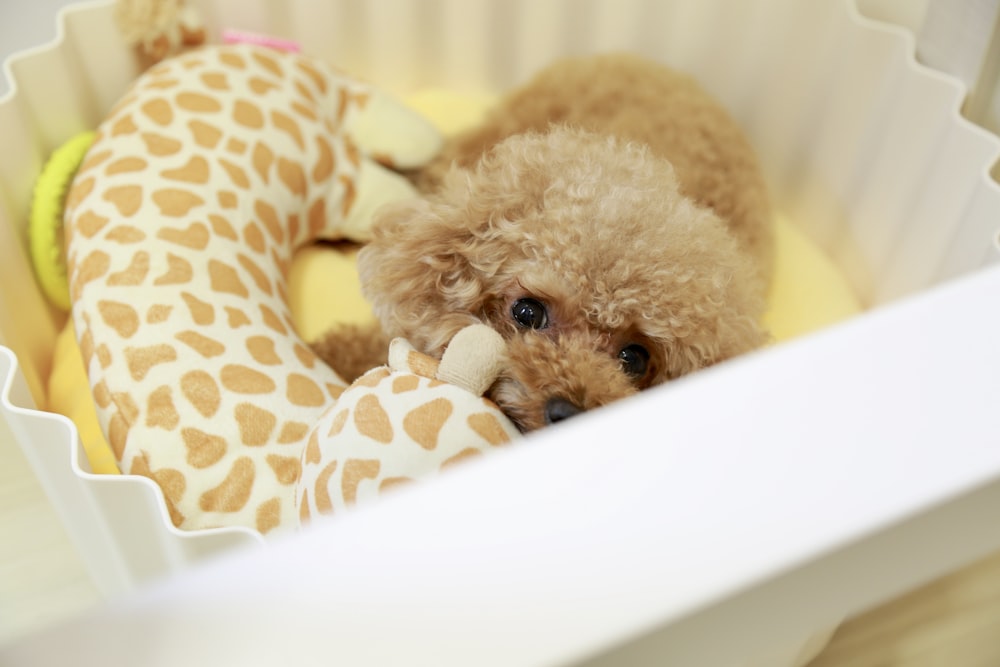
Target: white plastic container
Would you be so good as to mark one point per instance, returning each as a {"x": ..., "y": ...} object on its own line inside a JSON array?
[{"x": 767, "y": 497}]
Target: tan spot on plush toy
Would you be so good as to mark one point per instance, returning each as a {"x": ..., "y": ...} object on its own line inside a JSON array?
[
  {"x": 221, "y": 227},
  {"x": 89, "y": 223},
  {"x": 303, "y": 111},
  {"x": 124, "y": 125},
  {"x": 318, "y": 81},
  {"x": 244, "y": 380},
  {"x": 94, "y": 158},
  {"x": 226, "y": 199},
  {"x": 86, "y": 342},
  {"x": 126, "y": 234},
  {"x": 350, "y": 194},
  {"x": 256, "y": 424},
  {"x": 372, "y": 378},
  {"x": 304, "y": 91},
  {"x": 292, "y": 432},
  {"x": 175, "y": 203},
  {"x": 93, "y": 266},
  {"x": 272, "y": 321},
  {"x": 198, "y": 102},
  {"x": 103, "y": 354},
  {"x": 268, "y": 515},
  {"x": 304, "y": 507},
  {"x": 424, "y": 422},
  {"x": 268, "y": 63},
  {"x": 288, "y": 125},
  {"x": 119, "y": 316},
  {"x": 292, "y": 176},
  {"x": 160, "y": 409},
  {"x": 102, "y": 397},
  {"x": 201, "y": 390},
  {"x": 262, "y": 159},
  {"x": 195, "y": 170},
  {"x": 355, "y": 472},
  {"x": 159, "y": 111},
  {"x": 171, "y": 481},
  {"x": 134, "y": 274},
  {"x": 236, "y": 318},
  {"x": 236, "y": 174},
  {"x": 201, "y": 312},
  {"x": 236, "y": 146},
  {"x": 121, "y": 420},
  {"x": 224, "y": 279},
  {"x": 163, "y": 84},
  {"x": 286, "y": 468},
  {"x": 234, "y": 491},
  {"x": 203, "y": 345},
  {"x": 317, "y": 216},
  {"x": 194, "y": 236},
  {"x": 405, "y": 383},
  {"x": 159, "y": 145},
  {"x": 118, "y": 428},
  {"x": 371, "y": 419},
  {"x": 272, "y": 222},
  {"x": 254, "y": 238},
  {"x": 80, "y": 190},
  {"x": 311, "y": 453},
  {"x": 233, "y": 60},
  {"x": 303, "y": 391},
  {"x": 487, "y": 426},
  {"x": 322, "y": 495},
  {"x": 461, "y": 457},
  {"x": 390, "y": 483},
  {"x": 324, "y": 163},
  {"x": 126, "y": 198},
  {"x": 158, "y": 313},
  {"x": 141, "y": 359},
  {"x": 125, "y": 165},
  {"x": 247, "y": 114},
  {"x": 261, "y": 86},
  {"x": 203, "y": 449},
  {"x": 257, "y": 274},
  {"x": 215, "y": 80},
  {"x": 305, "y": 355},
  {"x": 179, "y": 272},
  {"x": 338, "y": 423},
  {"x": 261, "y": 348},
  {"x": 205, "y": 135}
]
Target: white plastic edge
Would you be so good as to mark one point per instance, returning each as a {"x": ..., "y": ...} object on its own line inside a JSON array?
[{"x": 51, "y": 445}]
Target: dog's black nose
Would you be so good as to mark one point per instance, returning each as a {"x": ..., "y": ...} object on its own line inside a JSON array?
[{"x": 558, "y": 409}]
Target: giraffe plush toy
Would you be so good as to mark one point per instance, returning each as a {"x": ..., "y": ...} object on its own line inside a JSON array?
[
  {"x": 181, "y": 224},
  {"x": 405, "y": 421}
]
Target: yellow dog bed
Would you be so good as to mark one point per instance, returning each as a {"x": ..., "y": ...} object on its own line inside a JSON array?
[{"x": 808, "y": 291}]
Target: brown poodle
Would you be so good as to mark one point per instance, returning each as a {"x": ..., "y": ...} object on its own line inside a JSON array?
[{"x": 608, "y": 219}]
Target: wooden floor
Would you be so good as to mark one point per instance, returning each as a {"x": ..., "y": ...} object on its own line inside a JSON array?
[{"x": 954, "y": 622}]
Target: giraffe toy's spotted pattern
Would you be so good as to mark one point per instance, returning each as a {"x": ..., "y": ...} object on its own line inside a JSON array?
[
  {"x": 430, "y": 424},
  {"x": 181, "y": 225}
]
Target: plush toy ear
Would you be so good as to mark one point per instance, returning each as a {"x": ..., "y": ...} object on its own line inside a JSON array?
[{"x": 422, "y": 274}]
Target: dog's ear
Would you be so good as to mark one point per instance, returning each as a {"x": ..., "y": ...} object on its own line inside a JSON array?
[{"x": 418, "y": 272}]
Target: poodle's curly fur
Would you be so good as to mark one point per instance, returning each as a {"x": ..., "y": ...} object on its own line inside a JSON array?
[{"x": 608, "y": 219}]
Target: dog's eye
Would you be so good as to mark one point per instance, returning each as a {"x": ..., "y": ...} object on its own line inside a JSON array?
[
  {"x": 635, "y": 360},
  {"x": 530, "y": 314}
]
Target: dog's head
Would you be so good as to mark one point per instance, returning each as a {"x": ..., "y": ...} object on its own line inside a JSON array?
[{"x": 583, "y": 253}]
